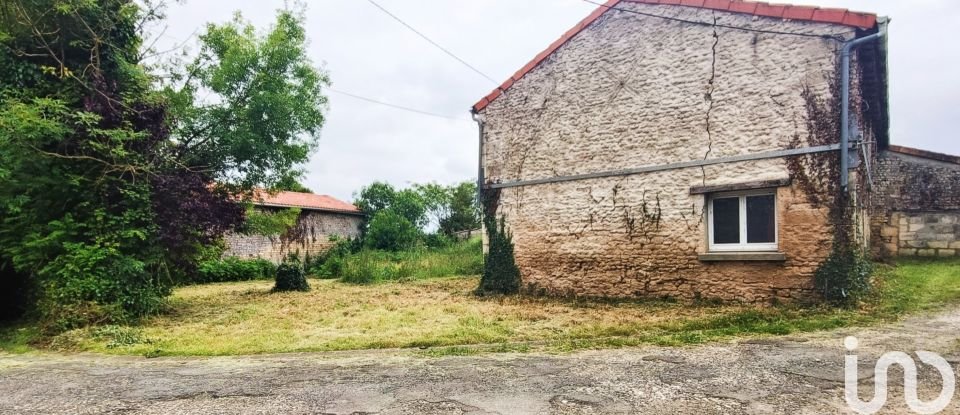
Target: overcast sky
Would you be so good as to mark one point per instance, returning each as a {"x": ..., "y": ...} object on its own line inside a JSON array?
[{"x": 369, "y": 54}]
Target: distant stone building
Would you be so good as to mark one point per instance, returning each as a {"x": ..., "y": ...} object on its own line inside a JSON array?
[
  {"x": 916, "y": 204},
  {"x": 321, "y": 217},
  {"x": 690, "y": 149}
]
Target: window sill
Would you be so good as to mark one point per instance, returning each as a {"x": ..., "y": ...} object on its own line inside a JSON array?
[{"x": 742, "y": 256}]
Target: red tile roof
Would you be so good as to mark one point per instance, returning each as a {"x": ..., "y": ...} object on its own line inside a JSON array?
[
  {"x": 781, "y": 11},
  {"x": 304, "y": 201}
]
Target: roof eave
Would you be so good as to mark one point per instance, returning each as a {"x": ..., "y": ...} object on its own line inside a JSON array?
[
  {"x": 788, "y": 12},
  {"x": 311, "y": 208}
]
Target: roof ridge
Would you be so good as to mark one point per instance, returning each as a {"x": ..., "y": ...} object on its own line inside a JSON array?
[
  {"x": 837, "y": 16},
  {"x": 927, "y": 154},
  {"x": 303, "y": 200}
]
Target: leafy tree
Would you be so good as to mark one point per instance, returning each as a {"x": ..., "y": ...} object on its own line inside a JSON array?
[
  {"x": 406, "y": 203},
  {"x": 389, "y": 230},
  {"x": 450, "y": 208},
  {"x": 105, "y": 185},
  {"x": 375, "y": 197},
  {"x": 436, "y": 201},
  {"x": 248, "y": 107},
  {"x": 463, "y": 213},
  {"x": 292, "y": 185},
  {"x": 79, "y": 134}
]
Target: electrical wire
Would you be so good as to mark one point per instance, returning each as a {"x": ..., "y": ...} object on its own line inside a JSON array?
[
  {"x": 434, "y": 43},
  {"x": 837, "y": 37},
  {"x": 394, "y": 106}
]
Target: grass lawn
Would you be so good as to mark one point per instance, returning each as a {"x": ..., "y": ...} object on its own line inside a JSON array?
[{"x": 245, "y": 318}]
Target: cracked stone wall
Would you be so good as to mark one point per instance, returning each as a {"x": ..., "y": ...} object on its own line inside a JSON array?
[
  {"x": 631, "y": 91},
  {"x": 311, "y": 236},
  {"x": 917, "y": 206}
]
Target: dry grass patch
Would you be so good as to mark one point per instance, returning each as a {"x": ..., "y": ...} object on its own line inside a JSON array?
[{"x": 245, "y": 318}]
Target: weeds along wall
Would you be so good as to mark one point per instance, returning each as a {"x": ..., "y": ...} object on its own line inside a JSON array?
[
  {"x": 631, "y": 91},
  {"x": 309, "y": 237}
]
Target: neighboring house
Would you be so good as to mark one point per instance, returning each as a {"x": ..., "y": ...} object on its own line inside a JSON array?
[
  {"x": 321, "y": 217},
  {"x": 916, "y": 203},
  {"x": 687, "y": 149}
]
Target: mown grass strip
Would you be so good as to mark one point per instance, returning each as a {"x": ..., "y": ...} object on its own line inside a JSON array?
[{"x": 444, "y": 316}]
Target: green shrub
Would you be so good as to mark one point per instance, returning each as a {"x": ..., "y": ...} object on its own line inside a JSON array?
[
  {"x": 366, "y": 267},
  {"x": 95, "y": 284},
  {"x": 390, "y": 231},
  {"x": 329, "y": 264},
  {"x": 270, "y": 222},
  {"x": 467, "y": 257},
  {"x": 232, "y": 269},
  {"x": 844, "y": 278},
  {"x": 438, "y": 240},
  {"x": 291, "y": 277},
  {"x": 500, "y": 272},
  {"x": 332, "y": 268},
  {"x": 370, "y": 266}
]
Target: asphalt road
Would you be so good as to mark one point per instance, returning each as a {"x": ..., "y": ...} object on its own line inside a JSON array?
[{"x": 795, "y": 375}]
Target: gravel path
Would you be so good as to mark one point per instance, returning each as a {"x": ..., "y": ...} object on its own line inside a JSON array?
[{"x": 796, "y": 375}]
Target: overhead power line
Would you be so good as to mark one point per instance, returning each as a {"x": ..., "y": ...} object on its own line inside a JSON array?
[
  {"x": 838, "y": 36},
  {"x": 399, "y": 107},
  {"x": 434, "y": 43}
]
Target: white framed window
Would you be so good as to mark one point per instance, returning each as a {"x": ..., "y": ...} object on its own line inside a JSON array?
[{"x": 743, "y": 221}]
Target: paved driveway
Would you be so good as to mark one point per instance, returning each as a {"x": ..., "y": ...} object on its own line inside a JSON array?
[{"x": 800, "y": 375}]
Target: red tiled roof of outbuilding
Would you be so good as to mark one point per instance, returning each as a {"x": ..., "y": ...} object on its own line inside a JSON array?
[
  {"x": 304, "y": 201},
  {"x": 783, "y": 11}
]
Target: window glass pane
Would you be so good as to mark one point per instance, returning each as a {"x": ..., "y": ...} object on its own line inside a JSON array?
[
  {"x": 726, "y": 220},
  {"x": 761, "y": 219}
]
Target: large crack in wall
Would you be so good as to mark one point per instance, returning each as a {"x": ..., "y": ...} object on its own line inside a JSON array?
[
  {"x": 708, "y": 96},
  {"x": 632, "y": 91}
]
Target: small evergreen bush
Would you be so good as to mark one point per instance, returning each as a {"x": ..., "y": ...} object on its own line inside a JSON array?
[
  {"x": 500, "y": 272},
  {"x": 291, "y": 277}
]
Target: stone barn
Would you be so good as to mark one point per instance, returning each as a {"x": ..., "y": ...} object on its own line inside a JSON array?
[
  {"x": 916, "y": 204},
  {"x": 321, "y": 217},
  {"x": 692, "y": 149}
]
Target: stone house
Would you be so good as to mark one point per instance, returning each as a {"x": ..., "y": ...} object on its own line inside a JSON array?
[
  {"x": 691, "y": 149},
  {"x": 916, "y": 203},
  {"x": 321, "y": 217}
]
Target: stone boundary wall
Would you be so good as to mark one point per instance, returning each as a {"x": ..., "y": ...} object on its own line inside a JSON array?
[
  {"x": 916, "y": 203},
  {"x": 311, "y": 237},
  {"x": 926, "y": 234}
]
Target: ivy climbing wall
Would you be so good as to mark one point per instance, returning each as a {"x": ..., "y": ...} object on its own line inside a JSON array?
[
  {"x": 631, "y": 91},
  {"x": 310, "y": 236}
]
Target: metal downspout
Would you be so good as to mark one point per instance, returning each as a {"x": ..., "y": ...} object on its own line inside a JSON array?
[
  {"x": 845, "y": 103},
  {"x": 479, "y": 120}
]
